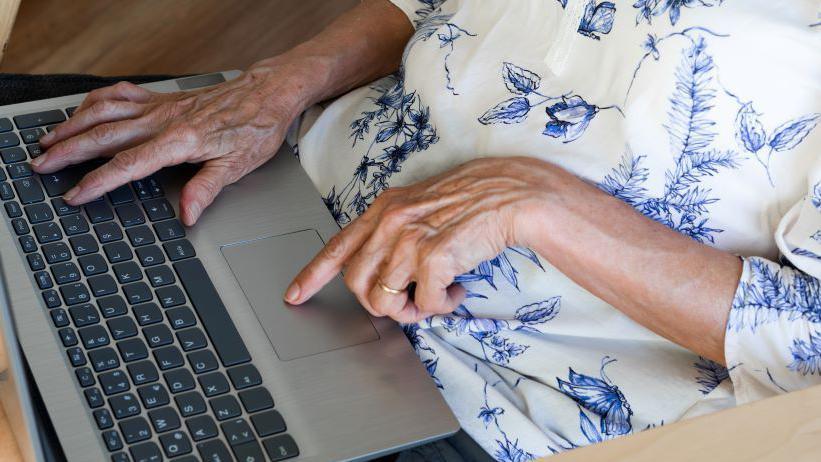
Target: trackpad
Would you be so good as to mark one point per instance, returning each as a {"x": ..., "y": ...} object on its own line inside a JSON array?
[{"x": 332, "y": 319}]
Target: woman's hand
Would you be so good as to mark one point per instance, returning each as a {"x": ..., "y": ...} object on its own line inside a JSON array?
[
  {"x": 232, "y": 128},
  {"x": 429, "y": 233}
]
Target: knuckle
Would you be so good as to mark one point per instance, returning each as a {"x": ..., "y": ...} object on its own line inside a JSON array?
[
  {"x": 103, "y": 134},
  {"x": 123, "y": 86},
  {"x": 335, "y": 248},
  {"x": 394, "y": 216},
  {"x": 125, "y": 163},
  {"x": 103, "y": 108}
]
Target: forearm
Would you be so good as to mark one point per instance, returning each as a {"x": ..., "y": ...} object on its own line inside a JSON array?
[
  {"x": 360, "y": 46},
  {"x": 674, "y": 286}
]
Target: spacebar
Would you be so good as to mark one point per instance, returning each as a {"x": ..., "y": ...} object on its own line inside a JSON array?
[{"x": 218, "y": 324}]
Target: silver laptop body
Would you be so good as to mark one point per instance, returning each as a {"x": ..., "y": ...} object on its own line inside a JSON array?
[{"x": 348, "y": 385}]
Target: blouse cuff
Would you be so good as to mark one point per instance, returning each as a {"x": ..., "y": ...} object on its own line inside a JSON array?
[
  {"x": 768, "y": 346},
  {"x": 417, "y": 10}
]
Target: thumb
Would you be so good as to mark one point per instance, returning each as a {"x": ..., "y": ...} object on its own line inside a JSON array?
[{"x": 202, "y": 188}]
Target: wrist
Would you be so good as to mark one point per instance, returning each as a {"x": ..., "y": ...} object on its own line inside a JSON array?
[{"x": 295, "y": 82}]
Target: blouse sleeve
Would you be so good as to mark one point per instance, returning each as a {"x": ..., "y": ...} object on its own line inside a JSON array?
[
  {"x": 417, "y": 10},
  {"x": 773, "y": 341}
]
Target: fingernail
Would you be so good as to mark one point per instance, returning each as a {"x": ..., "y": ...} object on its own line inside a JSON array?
[
  {"x": 71, "y": 193},
  {"x": 194, "y": 212},
  {"x": 292, "y": 293},
  {"x": 38, "y": 160}
]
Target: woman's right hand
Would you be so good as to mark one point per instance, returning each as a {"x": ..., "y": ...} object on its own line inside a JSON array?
[{"x": 231, "y": 128}]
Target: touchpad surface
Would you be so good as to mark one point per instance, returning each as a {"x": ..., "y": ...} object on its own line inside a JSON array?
[{"x": 332, "y": 319}]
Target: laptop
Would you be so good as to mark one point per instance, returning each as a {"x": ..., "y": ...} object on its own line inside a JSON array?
[{"x": 149, "y": 341}]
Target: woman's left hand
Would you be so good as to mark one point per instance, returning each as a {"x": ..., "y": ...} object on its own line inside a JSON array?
[{"x": 429, "y": 233}]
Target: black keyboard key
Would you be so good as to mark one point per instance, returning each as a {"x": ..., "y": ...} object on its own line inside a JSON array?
[
  {"x": 23, "y": 170},
  {"x": 237, "y": 431},
  {"x": 168, "y": 357},
  {"x": 280, "y": 447},
  {"x": 175, "y": 444},
  {"x": 29, "y": 190},
  {"x": 150, "y": 255},
  {"x": 146, "y": 452},
  {"x": 117, "y": 252},
  {"x": 36, "y": 262},
  {"x": 76, "y": 356},
  {"x": 84, "y": 315},
  {"x": 181, "y": 317},
  {"x": 103, "y": 419},
  {"x": 28, "y": 244},
  {"x": 121, "y": 328},
  {"x": 94, "y": 397},
  {"x": 244, "y": 376},
  {"x": 160, "y": 276},
  {"x": 93, "y": 336},
  {"x": 248, "y": 452},
  {"x": 191, "y": 339},
  {"x": 35, "y": 150},
  {"x": 99, "y": 212},
  {"x": 213, "y": 314},
  {"x": 114, "y": 382},
  {"x": 164, "y": 419},
  {"x": 137, "y": 292},
  {"x": 83, "y": 244},
  {"x": 203, "y": 361},
  {"x": 56, "y": 252},
  {"x": 84, "y": 377},
  {"x": 20, "y": 226},
  {"x": 143, "y": 372},
  {"x": 154, "y": 187},
  {"x": 47, "y": 232},
  {"x": 92, "y": 264},
  {"x": 147, "y": 313},
  {"x": 13, "y": 209},
  {"x": 74, "y": 224},
  {"x": 103, "y": 359},
  {"x": 70, "y": 110},
  {"x": 108, "y": 232},
  {"x": 112, "y": 440},
  {"x": 172, "y": 296},
  {"x": 168, "y": 230},
  {"x": 177, "y": 250},
  {"x": 213, "y": 384},
  {"x": 113, "y": 305},
  {"x": 124, "y": 405},
  {"x": 158, "y": 209},
  {"x": 121, "y": 195},
  {"x": 133, "y": 349},
  {"x": 140, "y": 235},
  {"x": 58, "y": 183},
  {"x": 62, "y": 208},
  {"x": 202, "y": 427},
  {"x": 179, "y": 380},
  {"x": 31, "y": 135},
  {"x": 12, "y": 155},
  {"x": 256, "y": 399},
  {"x": 225, "y": 407},
  {"x": 60, "y": 318},
  {"x": 135, "y": 430},
  {"x": 153, "y": 395},
  {"x": 43, "y": 280},
  {"x": 51, "y": 298},
  {"x": 130, "y": 215},
  {"x": 127, "y": 272},
  {"x": 190, "y": 403},
  {"x": 8, "y": 140},
  {"x": 67, "y": 336},
  {"x": 65, "y": 272},
  {"x": 158, "y": 335},
  {"x": 268, "y": 423},
  {"x": 38, "y": 119},
  {"x": 213, "y": 451},
  {"x": 38, "y": 213},
  {"x": 5, "y": 125},
  {"x": 6, "y": 191},
  {"x": 102, "y": 285}
]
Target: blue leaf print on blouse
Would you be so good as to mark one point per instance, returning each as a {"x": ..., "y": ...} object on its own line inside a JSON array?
[
  {"x": 805, "y": 252},
  {"x": 750, "y": 131},
  {"x": 486, "y": 271},
  {"x": 816, "y": 196},
  {"x": 538, "y": 313},
  {"x": 507, "y": 450},
  {"x": 601, "y": 397},
  {"x": 791, "y": 133},
  {"x": 568, "y": 114},
  {"x": 588, "y": 429},
  {"x": 806, "y": 355},
  {"x": 710, "y": 374},
  {"x": 597, "y": 19},
  {"x": 772, "y": 293},
  {"x": 649, "y": 8},
  {"x": 690, "y": 128},
  {"x": 563, "y": 3}
]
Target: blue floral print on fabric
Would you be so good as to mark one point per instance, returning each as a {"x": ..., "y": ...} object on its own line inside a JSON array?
[
  {"x": 647, "y": 9},
  {"x": 710, "y": 374},
  {"x": 597, "y": 19},
  {"x": 507, "y": 450},
  {"x": 601, "y": 397},
  {"x": 807, "y": 355},
  {"x": 568, "y": 115}
]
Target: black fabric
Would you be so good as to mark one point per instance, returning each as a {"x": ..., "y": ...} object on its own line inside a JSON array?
[{"x": 19, "y": 88}]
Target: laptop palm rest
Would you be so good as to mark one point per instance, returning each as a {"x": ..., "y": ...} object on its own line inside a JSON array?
[{"x": 332, "y": 319}]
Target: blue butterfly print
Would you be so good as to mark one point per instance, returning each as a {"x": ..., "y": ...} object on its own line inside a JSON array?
[
  {"x": 597, "y": 19},
  {"x": 601, "y": 397},
  {"x": 649, "y": 8},
  {"x": 568, "y": 114}
]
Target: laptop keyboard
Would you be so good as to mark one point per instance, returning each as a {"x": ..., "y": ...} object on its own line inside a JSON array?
[{"x": 162, "y": 368}]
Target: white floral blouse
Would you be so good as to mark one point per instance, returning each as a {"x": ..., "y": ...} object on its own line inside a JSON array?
[{"x": 701, "y": 114}]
